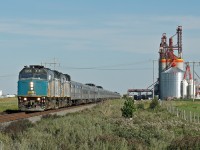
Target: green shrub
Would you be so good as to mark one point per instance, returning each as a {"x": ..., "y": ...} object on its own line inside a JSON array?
[
  {"x": 140, "y": 106},
  {"x": 187, "y": 142},
  {"x": 128, "y": 108},
  {"x": 14, "y": 128},
  {"x": 154, "y": 104},
  {"x": 125, "y": 96},
  {"x": 50, "y": 116}
]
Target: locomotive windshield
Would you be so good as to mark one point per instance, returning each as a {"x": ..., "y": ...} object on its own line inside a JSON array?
[{"x": 33, "y": 73}]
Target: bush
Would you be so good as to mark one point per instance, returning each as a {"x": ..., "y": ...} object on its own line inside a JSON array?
[
  {"x": 140, "y": 106},
  {"x": 17, "y": 127},
  {"x": 50, "y": 116},
  {"x": 154, "y": 104},
  {"x": 187, "y": 142},
  {"x": 125, "y": 96},
  {"x": 128, "y": 108}
]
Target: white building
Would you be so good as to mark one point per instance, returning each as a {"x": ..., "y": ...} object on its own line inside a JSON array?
[
  {"x": 10, "y": 95},
  {"x": 1, "y": 92}
]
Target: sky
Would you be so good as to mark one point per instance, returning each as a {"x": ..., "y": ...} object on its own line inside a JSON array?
[{"x": 111, "y": 43}]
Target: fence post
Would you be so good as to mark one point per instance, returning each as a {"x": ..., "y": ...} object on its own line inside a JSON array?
[
  {"x": 184, "y": 115},
  {"x": 181, "y": 114},
  {"x": 177, "y": 112}
]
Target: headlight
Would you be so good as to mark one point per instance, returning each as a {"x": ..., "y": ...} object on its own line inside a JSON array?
[
  {"x": 38, "y": 99},
  {"x": 31, "y": 84},
  {"x": 25, "y": 98}
]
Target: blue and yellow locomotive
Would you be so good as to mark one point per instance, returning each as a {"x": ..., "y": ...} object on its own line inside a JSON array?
[{"x": 41, "y": 88}]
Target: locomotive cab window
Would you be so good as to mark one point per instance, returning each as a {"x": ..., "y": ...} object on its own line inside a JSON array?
[
  {"x": 40, "y": 74},
  {"x": 26, "y": 73},
  {"x": 33, "y": 73}
]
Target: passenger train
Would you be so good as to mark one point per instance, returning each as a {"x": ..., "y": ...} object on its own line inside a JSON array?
[{"x": 40, "y": 88}]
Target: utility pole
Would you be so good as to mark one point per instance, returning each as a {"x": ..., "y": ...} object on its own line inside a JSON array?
[
  {"x": 54, "y": 63},
  {"x": 193, "y": 81},
  {"x": 153, "y": 80}
]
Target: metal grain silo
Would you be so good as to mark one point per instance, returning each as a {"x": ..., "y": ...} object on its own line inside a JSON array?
[
  {"x": 190, "y": 89},
  {"x": 171, "y": 83},
  {"x": 184, "y": 87}
]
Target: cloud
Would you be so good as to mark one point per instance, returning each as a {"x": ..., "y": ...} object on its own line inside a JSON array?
[
  {"x": 188, "y": 22},
  {"x": 129, "y": 33},
  {"x": 51, "y": 22},
  {"x": 51, "y": 28}
]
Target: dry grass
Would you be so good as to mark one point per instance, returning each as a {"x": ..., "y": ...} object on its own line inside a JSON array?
[{"x": 102, "y": 128}]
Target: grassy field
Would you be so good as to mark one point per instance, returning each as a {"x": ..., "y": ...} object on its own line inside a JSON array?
[
  {"x": 187, "y": 105},
  {"x": 8, "y": 104},
  {"x": 103, "y": 128}
]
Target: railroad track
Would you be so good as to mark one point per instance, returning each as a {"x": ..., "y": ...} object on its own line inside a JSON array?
[
  {"x": 11, "y": 117},
  {"x": 22, "y": 115}
]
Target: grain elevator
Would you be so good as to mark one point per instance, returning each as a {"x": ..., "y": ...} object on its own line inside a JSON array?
[{"x": 172, "y": 80}]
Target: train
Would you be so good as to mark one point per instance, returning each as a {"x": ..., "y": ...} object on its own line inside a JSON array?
[{"x": 41, "y": 88}]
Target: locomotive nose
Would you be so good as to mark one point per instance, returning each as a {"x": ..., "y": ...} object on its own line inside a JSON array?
[{"x": 31, "y": 88}]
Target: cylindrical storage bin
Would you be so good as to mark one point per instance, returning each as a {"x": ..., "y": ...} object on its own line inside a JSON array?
[
  {"x": 171, "y": 83},
  {"x": 184, "y": 86},
  {"x": 190, "y": 89}
]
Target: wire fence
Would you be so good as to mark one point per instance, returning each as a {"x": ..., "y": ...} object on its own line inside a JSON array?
[{"x": 183, "y": 114}]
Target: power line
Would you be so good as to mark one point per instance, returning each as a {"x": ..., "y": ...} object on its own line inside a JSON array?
[
  {"x": 108, "y": 69},
  {"x": 54, "y": 63},
  {"x": 100, "y": 68},
  {"x": 111, "y": 67},
  {"x": 8, "y": 75},
  {"x": 125, "y": 64}
]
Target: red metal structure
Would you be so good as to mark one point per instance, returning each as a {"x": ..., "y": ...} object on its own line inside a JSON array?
[
  {"x": 187, "y": 70},
  {"x": 167, "y": 51}
]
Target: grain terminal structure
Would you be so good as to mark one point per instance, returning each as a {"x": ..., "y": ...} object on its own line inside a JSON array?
[{"x": 172, "y": 80}]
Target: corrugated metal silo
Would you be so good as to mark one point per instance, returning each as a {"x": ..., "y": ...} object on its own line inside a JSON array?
[
  {"x": 184, "y": 87},
  {"x": 190, "y": 88},
  {"x": 171, "y": 83}
]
